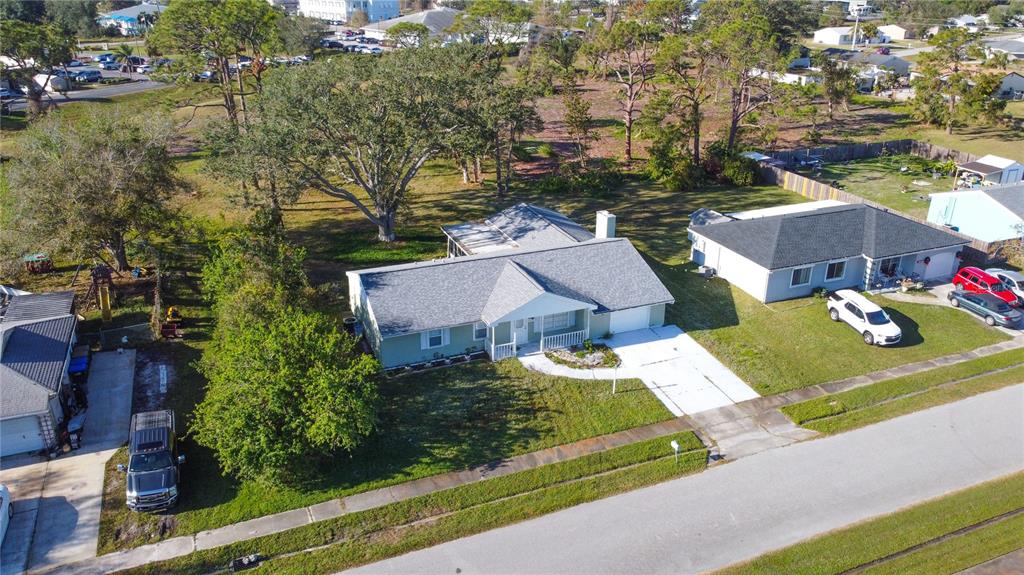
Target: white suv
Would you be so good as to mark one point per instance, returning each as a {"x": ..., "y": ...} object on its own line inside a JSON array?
[
  {"x": 865, "y": 316},
  {"x": 1014, "y": 281}
]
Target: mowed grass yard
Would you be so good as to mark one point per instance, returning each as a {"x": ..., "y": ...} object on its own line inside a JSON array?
[
  {"x": 881, "y": 180},
  {"x": 430, "y": 423},
  {"x": 920, "y": 540}
]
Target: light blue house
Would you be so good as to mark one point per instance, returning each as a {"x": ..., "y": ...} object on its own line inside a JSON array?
[
  {"x": 133, "y": 20},
  {"x": 526, "y": 279},
  {"x": 788, "y": 255},
  {"x": 990, "y": 214}
]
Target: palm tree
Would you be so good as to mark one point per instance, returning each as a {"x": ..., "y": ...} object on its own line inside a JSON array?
[{"x": 124, "y": 54}]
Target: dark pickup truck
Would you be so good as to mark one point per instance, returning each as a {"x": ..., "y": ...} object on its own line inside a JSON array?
[{"x": 152, "y": 477}]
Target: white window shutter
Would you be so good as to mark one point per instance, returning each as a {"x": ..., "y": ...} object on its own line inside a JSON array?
[
  {"x": 446, "y": 336},
  {"x": 571, "y": 318},
  {"x": 424, "y": 339}
]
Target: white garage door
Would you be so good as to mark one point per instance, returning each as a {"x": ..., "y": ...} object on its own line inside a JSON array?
[
  {"x": 20, "y": 435},
  {"x": 630, "y": 319},
  {"x": 941, "y": 266}
]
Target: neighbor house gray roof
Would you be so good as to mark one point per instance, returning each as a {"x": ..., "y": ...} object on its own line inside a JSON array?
[
  {"x": 437, "y": 20},
  {"x": 1010, "y": 197},
  {"x": 39, "y": 305},
  {"x": 1010, "y": 46},
  {"x": 826, "y": 234},
  {"x": 523, "y": 226},
  {"x": 881, "y": 60},
  {"x": 32, "y": 362},
  {"x": 603, "y": 274}
]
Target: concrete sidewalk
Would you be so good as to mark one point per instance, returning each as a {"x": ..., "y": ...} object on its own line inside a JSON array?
[
  {"x": 734, "y": 431},
  {"x": 771, "y": 500},
  {"x": 278, "y": 522}
]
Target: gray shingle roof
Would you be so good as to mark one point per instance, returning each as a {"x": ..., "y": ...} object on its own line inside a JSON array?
[
  {"x": 524, "y": 226},
  {"x": 607, "y": 274},
  {"x": 39, "y": 306},
  {"x": 32, "y": 363},
  {"x": 826, "y": 234},
  {"x": 1011, "y": 198},
  {"x": 437, "y": 20}
]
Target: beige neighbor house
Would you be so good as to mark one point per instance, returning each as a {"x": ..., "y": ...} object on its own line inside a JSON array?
[
  {"x": 895, "y": 32},
  {"x": 526, "y": 279}
]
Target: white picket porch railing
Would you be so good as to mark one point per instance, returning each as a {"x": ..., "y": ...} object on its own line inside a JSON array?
[
  {"x": 561, "y": 340},
  {"x": 504, "y": 350}
]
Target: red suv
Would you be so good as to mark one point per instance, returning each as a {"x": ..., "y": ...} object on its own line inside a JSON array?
[{"x": 975, "y": 280}]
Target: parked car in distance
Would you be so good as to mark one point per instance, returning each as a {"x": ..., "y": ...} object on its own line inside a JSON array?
[
  {"x": 152, "y": 475},
  {"x": 6, "y": 511},
  {"x": 109, "y": 65},
  {"x": 1014, "y": 281},
  {"x": 974, "y": 280},
  {"x": 992, "y": 309},
  {"x": 144, "y": 69},
  {"x": 88, "y": 76},
  {"x": 206, "y": 76},
  {"x": 108, "y": 57},
  {"x": 863, "y": 315},
  {"x": 374, "y": 51},
  {"x": 73, "y": 63},
  {"x": 7, "y": 95}
]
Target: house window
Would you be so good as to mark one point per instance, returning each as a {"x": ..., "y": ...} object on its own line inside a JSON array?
[
  {"x": 835, "y": 271},
  {"x": 479, "y": 330},
  {"x": 434, "y": 338},
  {"x": 889, "y": 266},
  {"x": 559, "y": 320},
  {"x": 801, "y": 277}
]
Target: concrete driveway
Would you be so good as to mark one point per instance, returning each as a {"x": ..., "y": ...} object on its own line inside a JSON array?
[
  {"x": 942, "y": 293},
  {"x": 681, "y": 373},
  {"x": 57, "y": 503}
]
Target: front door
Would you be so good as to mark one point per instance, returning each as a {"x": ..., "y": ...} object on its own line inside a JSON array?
[{"x": 519, "y": 328}]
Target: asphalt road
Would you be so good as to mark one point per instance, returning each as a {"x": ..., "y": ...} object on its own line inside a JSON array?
[
  {"x": 767, "y": 501},
  {"x": 94, "y": 94}
]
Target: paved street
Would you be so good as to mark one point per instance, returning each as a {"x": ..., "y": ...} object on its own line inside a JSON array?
[
  {"x": 763, "y": 502},
  {"x": 93, "y": 94},
  {"x": 57, "y": 503}
]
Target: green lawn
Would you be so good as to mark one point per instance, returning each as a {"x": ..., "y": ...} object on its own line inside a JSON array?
[
  {"x": 430, "y": 519},
  {"x": 880, "y": 180},
  {"x": 788, "y": 345},
  {"x": 432, "y": 422},
  {"x": 879, "y": 538},
  {"x": 843, "y": 411}
]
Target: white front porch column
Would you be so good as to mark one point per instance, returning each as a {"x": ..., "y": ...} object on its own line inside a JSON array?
[
  {"x": 542, "y": 334},
  {"x": 586, "y": 313}
]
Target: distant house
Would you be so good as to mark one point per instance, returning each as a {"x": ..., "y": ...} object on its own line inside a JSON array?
[
  {"x": 989, "y": 214},
  {"x": 342, "y": 10},
  {"x": 795, "y": 250},
  {"x": 836, "y": 35},
  {"x": 992, "y": 170},
  {"x": 525, "y": 279},
  {"x": 895, "y": 32},
  {"x": 133, "y": 20},
  {"x": 37, "y": 332},
  {"x": 1012, "y": 87},
  {"x": 1013, "y": 47},
  {"x": 968, "y": 22},
  {"x": 881, "y": 62},
  {"x": 437, "y": 21}
]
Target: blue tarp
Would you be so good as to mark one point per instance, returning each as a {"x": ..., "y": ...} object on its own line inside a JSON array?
[{"x": 78, "y": 364}]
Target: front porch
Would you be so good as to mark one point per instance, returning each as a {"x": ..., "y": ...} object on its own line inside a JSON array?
[{"x": 537, "y": 334}]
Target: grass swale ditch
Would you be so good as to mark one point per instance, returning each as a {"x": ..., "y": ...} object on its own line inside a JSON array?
[{"x": 370, "y": 535}]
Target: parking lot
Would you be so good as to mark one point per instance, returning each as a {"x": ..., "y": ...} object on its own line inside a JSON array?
[{"x": 57, "y": 502}]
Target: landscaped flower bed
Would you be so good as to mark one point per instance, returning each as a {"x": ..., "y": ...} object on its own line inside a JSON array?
[{"x": 586, "y": 356}]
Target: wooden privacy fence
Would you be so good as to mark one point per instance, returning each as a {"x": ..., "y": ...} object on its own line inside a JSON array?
[
  {"x": 847, "y": 152},
  {"x": 977, "y": 250}
]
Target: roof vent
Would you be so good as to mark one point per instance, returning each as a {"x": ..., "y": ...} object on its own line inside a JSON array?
[{"x": 605, "y": 226}]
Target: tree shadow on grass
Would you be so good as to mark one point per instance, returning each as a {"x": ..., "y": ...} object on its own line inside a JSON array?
[{"x": 447, "y": 419}]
